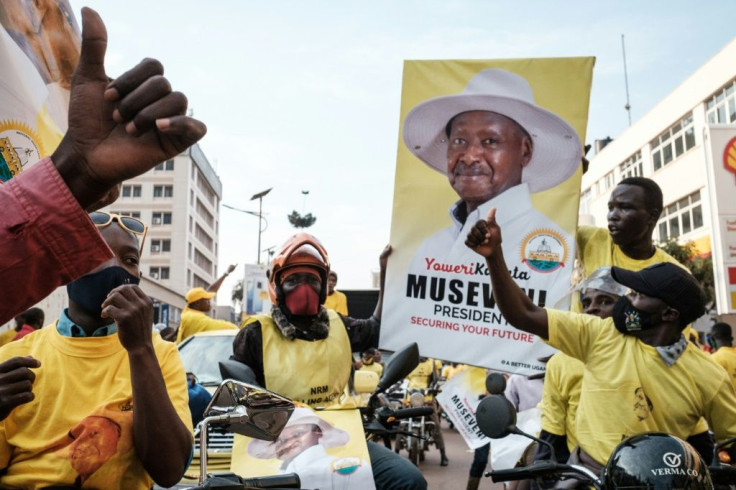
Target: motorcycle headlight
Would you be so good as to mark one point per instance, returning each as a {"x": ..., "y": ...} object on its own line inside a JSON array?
[{"x": 416, "y": 400}]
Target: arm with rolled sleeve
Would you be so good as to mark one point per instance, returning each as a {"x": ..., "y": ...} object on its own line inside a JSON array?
[{"x": 42, "y": 230}]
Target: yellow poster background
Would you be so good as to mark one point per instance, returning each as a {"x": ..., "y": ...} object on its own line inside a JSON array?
[
  {"x": 423, "y": 196},
  {"x": 348, "y": 420}
]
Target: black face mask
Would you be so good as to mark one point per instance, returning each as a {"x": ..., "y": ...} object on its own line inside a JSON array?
[
  {"x": 628, "y": 318},
  {"x": 90, "y": 291}
]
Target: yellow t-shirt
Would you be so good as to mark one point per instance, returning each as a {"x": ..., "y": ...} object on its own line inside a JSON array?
[
  {"x": 337, "y": 301},
  {"x": 726, "y": 358},
  {"x": 419, "y": 378},
  {"x": 561, "y": 396},
  {"x": 314, "y": 373},
  {"x": 7, "y": 336},
  {"x": 195, "y": 321},
  {"x": 82, "y": 388},
  {"x": 375, "y": 367},
  {"x": 449, "y": 371},
  {"x": 596, "y": 249},
  {"x": 627, "y": 388}
]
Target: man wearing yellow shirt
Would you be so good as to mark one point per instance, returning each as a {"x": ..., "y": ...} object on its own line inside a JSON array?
[
  {"x": 303, "y": 350},
  {"x": 564, "y": 374},
  {"x": 633, "y": 210},
  {"x": 422, "y": 377},
  {"x": 194, "y": 318},
  {"x": 368, "y": 362},
  {"x": 96, "y": 398},
  {"x": 335, "y": 299},
  {"x": 641, "y": 349},
  {"x": 726, "y": 353}
]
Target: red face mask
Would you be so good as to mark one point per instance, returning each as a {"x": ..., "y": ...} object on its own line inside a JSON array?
[{"x": 303, "y": 300}]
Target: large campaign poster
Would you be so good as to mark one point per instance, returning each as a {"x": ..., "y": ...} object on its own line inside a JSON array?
[
  {"x": 475, "y": 135},
  {"x": 327, "y": 449},
  {"x": 39, "y": 50}
]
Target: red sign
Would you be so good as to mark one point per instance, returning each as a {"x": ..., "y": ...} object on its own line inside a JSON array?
[{"x": 729, "y": 156}]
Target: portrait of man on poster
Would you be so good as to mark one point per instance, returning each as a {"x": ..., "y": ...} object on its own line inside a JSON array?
[{"x": 496, "y": 147}]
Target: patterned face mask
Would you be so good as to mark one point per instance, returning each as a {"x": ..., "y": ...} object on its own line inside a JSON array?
[{"x": 628, "y": 318}]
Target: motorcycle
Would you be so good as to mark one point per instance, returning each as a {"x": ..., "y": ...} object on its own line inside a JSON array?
[
  {"x": 244, "y": 408},
  {"x": 650, "y": 460},
  {"x": 252, "y": 411},
  {"x": 416, "y": 434}
]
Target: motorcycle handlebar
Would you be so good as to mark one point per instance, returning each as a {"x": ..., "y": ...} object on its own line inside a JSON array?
[
  {"x": 525, "y": 472},
  {"x": 231, "y": 481},
  {"x": 289, "y": 480},
  {"x": 408, "y": 413},
  {"x": 544, "y": 468}
]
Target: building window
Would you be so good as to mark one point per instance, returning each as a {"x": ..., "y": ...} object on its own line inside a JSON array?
[
  {"x": 585, "y": 199},
  {"x": 132, "y": 214},
  {"x": 198, "y": 282},
  {"x": 681, "y": 217},
  {"x": 205, "y": 215},
  {"x": 163, "y": 191},
  {"x": 720, "y": 108},
  {"x": 672, "y": 143},
  {"x": 167, "y": 166},
  {"x": 202, "y": 261},
  {"x": 203, "y": 237},
  {"x": 632, "y": 166},
  {"x": 608, "y": 180},
  {"x": 160, "y": 246},
  {"x": 205, "y": 188},
  {"x": 131, "y": 191},
  {"x": 159, "y": 272},
  {"x": 161, "y": 219}
]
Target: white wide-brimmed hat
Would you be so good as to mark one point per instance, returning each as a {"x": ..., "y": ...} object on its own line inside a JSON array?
[
  {"x": 331, "y": 436},
  {"x": 557, "y": 149}
]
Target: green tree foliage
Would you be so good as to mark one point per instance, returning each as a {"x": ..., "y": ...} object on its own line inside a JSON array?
[
  {"x": 237, "y": 293},
  {"x": 701, "y": 267},
  {"x": 299, "y": 221}
]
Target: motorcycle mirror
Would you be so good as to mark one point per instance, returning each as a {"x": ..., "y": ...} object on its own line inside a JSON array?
[
  {"x": 230, "y": 369},
  {"x": 496, "y": 417},
  {"x": 248, "y": 410},
  {"x": 496, "y": 383},
  {"x": 399, "y": 366}
]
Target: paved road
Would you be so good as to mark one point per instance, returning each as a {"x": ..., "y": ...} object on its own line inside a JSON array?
[{"x": 455, "y": 475}]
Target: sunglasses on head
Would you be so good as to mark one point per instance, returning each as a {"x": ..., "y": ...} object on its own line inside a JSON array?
[{"x": 102, "y": 219}]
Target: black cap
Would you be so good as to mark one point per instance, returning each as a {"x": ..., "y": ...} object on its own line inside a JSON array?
[{"x": 668, "y": 282}]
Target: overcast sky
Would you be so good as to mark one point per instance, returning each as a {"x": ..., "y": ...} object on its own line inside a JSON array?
[{"x": 304, "y": 95}]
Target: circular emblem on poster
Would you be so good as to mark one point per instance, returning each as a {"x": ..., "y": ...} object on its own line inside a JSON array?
[
  {"x": 544, "y": 250},
  {"x": 19, "y": 146},
  {"x": 346, "y": 466}
]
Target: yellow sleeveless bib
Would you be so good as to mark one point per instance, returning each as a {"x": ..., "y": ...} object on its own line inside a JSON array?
[{"x": 314, "y": 373}]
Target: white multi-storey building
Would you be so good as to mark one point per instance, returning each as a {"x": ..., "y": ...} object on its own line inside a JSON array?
[
  {"x": 179, "y": 200},
  {"x": 670, "y": 145}
]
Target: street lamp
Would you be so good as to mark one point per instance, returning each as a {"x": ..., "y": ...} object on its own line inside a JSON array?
[
  {"x": 259, "y": 196},
  {"x": 259, "y": 214}
]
